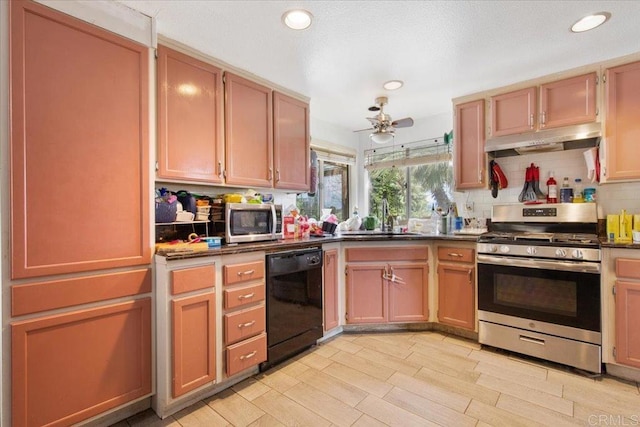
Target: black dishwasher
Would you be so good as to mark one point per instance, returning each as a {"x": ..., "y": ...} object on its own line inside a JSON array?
[{"x": 294, "y": 303}]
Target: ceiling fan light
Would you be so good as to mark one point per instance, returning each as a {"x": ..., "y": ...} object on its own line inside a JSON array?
[
  {"x": 297, "y": 19},
  {"x": 393, "y": 84},
  {"x": 381, "y": 137},
  {"x": 590, "y": 22}
]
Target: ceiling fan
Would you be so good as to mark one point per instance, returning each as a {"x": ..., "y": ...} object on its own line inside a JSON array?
[{"x": 382, "y": 126}]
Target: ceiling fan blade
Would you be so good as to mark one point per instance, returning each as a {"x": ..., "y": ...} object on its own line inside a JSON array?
[
  {"x": 403, "y": 123},
  {"x": 362, "y": 130}
]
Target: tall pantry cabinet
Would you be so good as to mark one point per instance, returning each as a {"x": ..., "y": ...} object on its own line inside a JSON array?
[{"x": 80, "y": 286}]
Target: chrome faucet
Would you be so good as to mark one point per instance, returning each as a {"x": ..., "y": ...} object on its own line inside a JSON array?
[{"x": 385, "y": 215}]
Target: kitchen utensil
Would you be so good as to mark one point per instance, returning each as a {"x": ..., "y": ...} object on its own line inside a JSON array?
[
  {"x": 536, "y": 182},
  {"x": 528, "y": 193},
  {"x": 493, "y": 182}
]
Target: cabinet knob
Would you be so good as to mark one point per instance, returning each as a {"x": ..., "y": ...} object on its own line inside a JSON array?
[
  {"x": 246, "y": 273},
  {"x": 277, "y": 175},
  {"x": 220, "y": 169},
  {"x": 246, "y": 296},
  {"x": 531, "y": 121},
  {"x": 455, "y": 255},
  {"x": 270, "y": 177},
  {"x": 246, "y": 325},
  {"x": 544, "y": 118},
  {"x": 249, "y": 355}
]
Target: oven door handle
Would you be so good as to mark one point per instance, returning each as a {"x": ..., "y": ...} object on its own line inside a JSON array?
[{"x": 573, "y": 266}]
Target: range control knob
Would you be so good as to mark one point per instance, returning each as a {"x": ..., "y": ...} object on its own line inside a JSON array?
[
  {"x": 531, "y": 250},
  {"x": 577, "y": 253},
  {"x": 561, "y": 253},
  {"x": 493, "y": 248},
  {"x": 504, "y": 249}
]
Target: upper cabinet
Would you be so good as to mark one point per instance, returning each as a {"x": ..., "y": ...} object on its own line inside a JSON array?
[
  {"x": 290, "y": 143},
  {"x": 622, "y": 127},
  {"x": 469, "y": 138},
  {"x": 513, "y": 112},
  {"x": 79, "y": 137},
  {"x": 190, "y": 118},
  {"x": 561, "y": 103},
  {"x": 248, "y": 132}
]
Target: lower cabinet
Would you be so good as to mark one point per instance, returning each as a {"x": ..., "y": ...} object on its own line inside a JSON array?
[
  {"x": 457, "y": 287},
  {"x": 186, "y": 325},
  {"x": 194, "y": 342},
  {"x": 387, "y": 284},
  {"x": 627, "y": 317},
  {"x": 69, "y": 367}
]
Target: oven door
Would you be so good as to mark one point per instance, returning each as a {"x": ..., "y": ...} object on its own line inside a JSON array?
[{"x": 563, "y": 293}]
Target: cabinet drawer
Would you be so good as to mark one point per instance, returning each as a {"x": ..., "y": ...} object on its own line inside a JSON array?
[
  {"x": 192, "y": 279},
  {"x": 238, "y": 273},
  {"x": 456, "y": 254},
  {"x": 246, "y": 354},
  {"x": 629, "y": 268},
  {"x": 388, "y": 254},
  {"x": 244, "y": 324},
  {"x": 237, "y": 297}
]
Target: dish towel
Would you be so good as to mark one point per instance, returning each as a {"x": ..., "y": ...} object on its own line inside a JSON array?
[{"x": 590, "y": 157}]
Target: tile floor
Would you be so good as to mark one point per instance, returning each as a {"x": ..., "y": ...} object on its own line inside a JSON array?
[{"x": 412, "y": 379}]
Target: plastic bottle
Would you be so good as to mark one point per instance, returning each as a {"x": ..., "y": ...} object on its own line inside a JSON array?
[
  {"x": 577, "y": 191},
  {"x": 552, "y": 187},
  {"x": 566, "y": 192}
]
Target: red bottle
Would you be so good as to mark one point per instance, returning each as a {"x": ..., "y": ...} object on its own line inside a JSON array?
[{"x": 552, "y": 188}]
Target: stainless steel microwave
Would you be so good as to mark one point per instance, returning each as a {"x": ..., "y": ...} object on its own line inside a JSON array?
[{"x": 248, "y": 222}]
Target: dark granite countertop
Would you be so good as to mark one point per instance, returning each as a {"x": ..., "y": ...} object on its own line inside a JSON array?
[
  {"x": 606, "y": 243},
  {"x": 288, "y": 244}
]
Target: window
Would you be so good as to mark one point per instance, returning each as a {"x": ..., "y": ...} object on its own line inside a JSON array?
[
  {"x": 332, "y": 195},
  {"x": 414, "y": 178}
]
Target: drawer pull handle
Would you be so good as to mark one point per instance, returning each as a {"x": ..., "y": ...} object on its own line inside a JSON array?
[
  {"x": 246, "y": 325},
  {"x": 245, "y": 273},
  {"x": 531, "y": 340},
  {"x": 454, "y": 254},
  {"x": 248, "y": 355},
  {"x": 246, "y": 296}
]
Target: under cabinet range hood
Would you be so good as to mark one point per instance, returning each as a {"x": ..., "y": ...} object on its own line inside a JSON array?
[{"x": 565, "y": 138}]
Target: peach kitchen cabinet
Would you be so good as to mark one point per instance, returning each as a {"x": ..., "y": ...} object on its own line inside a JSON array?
[
  {"x": 190, "y": 118},
  {"x": 457, "y": 286},
  {"x": 245, "y": 335},
  {"x": 622, "y": 128},
  {"x": 563, "y": 102},
  {"x": 387, "y": 284},
  {"x": 627, "y": 306},
  {"x": 74, "y": 146},
  {"x": 248, "y": 132},
  {"x": 291, "y": 141},
  {"x": 330, "y": 286},
  {"x": 469, "y": 138},
  {"x": 186, "y": 322},
  {"x": 78, "y": 361}
]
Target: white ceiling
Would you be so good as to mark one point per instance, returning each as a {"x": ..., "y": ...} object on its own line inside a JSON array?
[{"x": 440, "y": 49}]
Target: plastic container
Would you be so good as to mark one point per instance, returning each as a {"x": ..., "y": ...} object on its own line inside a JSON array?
[
  {"x": 589, "y": 195},
  {"x": 213, "y": 242}
]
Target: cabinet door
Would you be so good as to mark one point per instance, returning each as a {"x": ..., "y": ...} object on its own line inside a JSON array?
[
  {"x": 330, "y": 289},
  {"x": 248, "y": 133},
  {"x": 193, "y": 355},
  {"x": 622, "y": 131},
  {"x": 408, "y": 292},
  {"x": 190, "y": 139},
  {"x": 627, "y": 321},
  {"x": 568, "y": 102},
  {"x": 290, "y": 143},
  {"x": 456, "y": 295},
  {"x": 68, "y": 367},
  {"x": 513, "y": 112},
  {"x": 79, "y": 145},
  {"x": 367, "y": 294},
  {"x": 469, "y": 138}
]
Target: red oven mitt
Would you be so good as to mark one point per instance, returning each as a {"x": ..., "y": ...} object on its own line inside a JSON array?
[{"x": 499, "y": 176}]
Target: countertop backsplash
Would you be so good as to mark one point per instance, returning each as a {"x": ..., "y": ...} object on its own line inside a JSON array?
[{"x": 611, "y": 197}]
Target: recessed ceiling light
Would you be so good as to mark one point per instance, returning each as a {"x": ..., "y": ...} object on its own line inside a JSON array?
[
  {"x": 393, "y": 84},
  {"x": 590, "y": 22},
  {"x": 297, "y": 19}
]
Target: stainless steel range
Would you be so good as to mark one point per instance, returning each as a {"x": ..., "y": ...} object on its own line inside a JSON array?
[{"x": 539, "y": 283}]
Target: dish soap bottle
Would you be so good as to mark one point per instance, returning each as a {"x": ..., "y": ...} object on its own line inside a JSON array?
[
  {"x": 552, "y": 187},
  {"x": 577, "y": 191}
]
